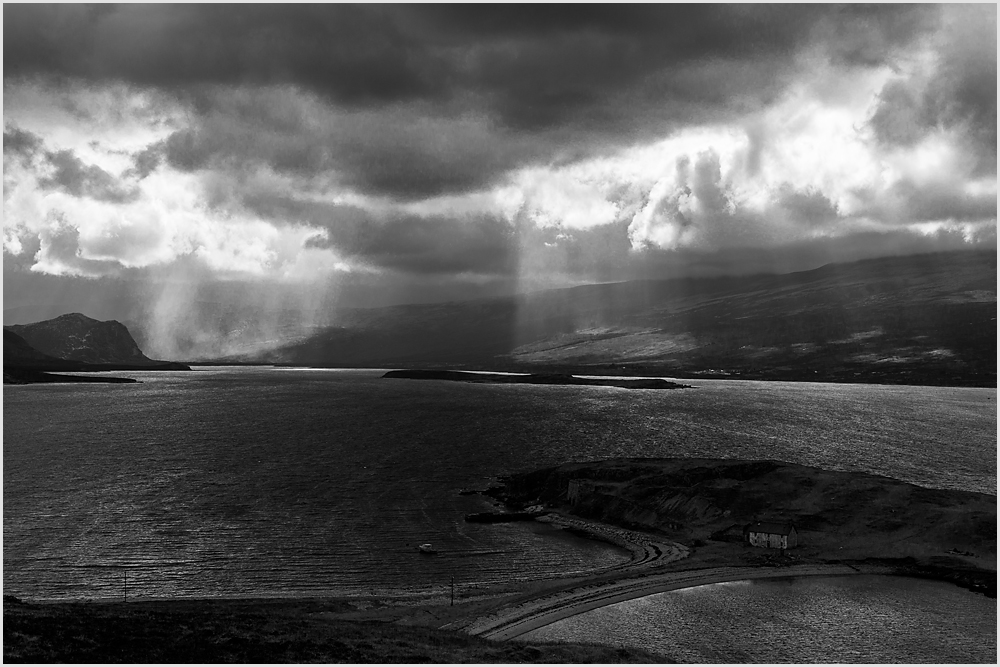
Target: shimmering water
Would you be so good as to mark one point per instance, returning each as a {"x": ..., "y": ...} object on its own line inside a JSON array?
[
  {"x": 259, "y": 481},
  {"x": 855, "y": 619}
]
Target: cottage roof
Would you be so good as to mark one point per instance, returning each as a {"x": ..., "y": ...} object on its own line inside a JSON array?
[{"x": 771, "y": 527}]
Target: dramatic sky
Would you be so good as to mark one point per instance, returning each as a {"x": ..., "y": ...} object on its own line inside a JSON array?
[{"x": 300, "y": 157}]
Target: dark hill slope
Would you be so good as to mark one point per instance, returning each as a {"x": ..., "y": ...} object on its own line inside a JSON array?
[
  {"x": 924, "y": 319},
  {"x": 23, "y": 364},
  {"x": 17, "y": 351}
]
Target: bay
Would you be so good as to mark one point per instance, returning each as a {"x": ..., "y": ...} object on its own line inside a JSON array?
[{"x": 240, "y": 482}]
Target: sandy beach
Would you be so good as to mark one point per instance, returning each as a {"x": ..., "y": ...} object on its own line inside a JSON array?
[{"x": 520, "y": 618}]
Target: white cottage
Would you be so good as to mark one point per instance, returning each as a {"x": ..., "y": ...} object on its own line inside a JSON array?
[{"x": 771, "y": 535}]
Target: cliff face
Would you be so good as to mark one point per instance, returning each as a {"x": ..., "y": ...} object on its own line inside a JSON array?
[{"x": 77, "y": 337}]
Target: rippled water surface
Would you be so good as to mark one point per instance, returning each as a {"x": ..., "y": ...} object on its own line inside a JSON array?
[
  {"x": 855, "y": 619},
  {"x": 260, "y": 481}
]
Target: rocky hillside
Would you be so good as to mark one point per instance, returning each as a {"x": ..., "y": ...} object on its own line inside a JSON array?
[
  {"x": 924, "y": 319},
  {"x": 77, "y": 337}
]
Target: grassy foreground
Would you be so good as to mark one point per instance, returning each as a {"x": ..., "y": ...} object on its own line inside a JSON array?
[{"x": 255, "y": 631}]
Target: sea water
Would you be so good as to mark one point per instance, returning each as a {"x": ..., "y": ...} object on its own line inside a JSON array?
[{"x": 291, "y": 482}]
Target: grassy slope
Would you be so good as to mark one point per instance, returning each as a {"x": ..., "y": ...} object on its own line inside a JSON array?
[{"x": 258, "y": 632}]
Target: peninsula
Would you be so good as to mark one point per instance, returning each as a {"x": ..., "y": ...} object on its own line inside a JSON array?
[
  {"x": 535, "y": 378},
  {"x": 705, "y": 503}
]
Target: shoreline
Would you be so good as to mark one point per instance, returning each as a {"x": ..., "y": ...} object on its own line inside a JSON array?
[
  {"x": 519, "y": 619},
  {"x": 484, "y": 377},
  {"x": 40, "y": 377}
]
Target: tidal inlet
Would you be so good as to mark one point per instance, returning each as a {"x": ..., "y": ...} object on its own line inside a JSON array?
[{"x": 499, "y": 333}]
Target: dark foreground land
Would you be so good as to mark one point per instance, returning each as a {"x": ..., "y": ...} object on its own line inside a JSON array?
[
  {"x": 217, "y": 631},
  {"x": 534, "y": 378}
]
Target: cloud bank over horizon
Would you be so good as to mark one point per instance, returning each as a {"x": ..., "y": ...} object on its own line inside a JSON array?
[{"x": 406, "y": 153}]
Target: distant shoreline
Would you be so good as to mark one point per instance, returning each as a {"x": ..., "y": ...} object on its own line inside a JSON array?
[
  {"x": 534, "y": 378},
  {"x": 889, "y": 379}
]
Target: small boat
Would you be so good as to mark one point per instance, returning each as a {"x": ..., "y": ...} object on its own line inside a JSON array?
[{"x": 426, "y": 549}]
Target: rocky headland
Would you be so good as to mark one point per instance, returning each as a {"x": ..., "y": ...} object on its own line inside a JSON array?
[{"x": 73, "y": 343}]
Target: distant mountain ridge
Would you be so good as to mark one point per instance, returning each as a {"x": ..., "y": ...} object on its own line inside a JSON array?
[{"x": 921, "y": 319}]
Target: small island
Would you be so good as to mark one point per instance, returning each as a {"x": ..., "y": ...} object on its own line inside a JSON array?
[{"x": 535, "y": 378}]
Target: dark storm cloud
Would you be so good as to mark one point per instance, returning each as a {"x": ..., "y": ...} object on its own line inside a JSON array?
[
  {"x": 544, "y": 83},
  {"x": 73, "y": 176},
  {"x": 21, "y": 142},
  {"x": 67, "y": 171},
  {"x": 355, "y": 52},
  {"x": 396, "y": 152},
  {"x": 146, "y": 161},
  {"x": 808, "y": 207},
  {"x": 900, "y": 118},
  {"x": 374, "y": 52},
  {"x": 962, "y": 92},
  {"x": 416, "y": 244}
]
